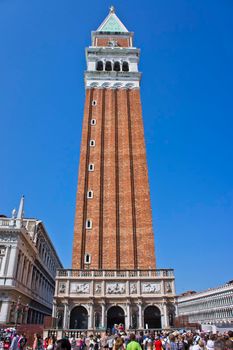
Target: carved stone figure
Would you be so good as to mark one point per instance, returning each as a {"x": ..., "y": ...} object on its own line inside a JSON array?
[
  {"x": 83, "y": 288},
  {"x": 133, "y": 288},
  {"x": 62, "y": 288},
  {"x": 98, "y": 288},
  {"x": 14, "y": 214},
  {"x": 168, "y": 287},
  {"x": 116, "y": 288},
  {"x": 150, "y": 288}
]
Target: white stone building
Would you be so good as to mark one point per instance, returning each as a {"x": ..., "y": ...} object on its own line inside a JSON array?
[
  {"x": 95, "y": 299},
  {"x": 213, "y": 306},
  {"x": 28, "y": 263}
]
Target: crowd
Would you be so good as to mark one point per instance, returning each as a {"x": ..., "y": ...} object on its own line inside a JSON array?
[
  {"x": 118, "y": 339},
  {"x": 11, "y": 340}
]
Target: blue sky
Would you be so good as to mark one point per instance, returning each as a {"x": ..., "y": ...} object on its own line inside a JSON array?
[{"x": 186, "y": 60}]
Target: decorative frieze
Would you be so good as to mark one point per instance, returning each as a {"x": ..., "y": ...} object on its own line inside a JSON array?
[
  {"x": 80, "y": 288},
  {"x": 115, "y": 288},
  {"x": 148, "y": 288}
]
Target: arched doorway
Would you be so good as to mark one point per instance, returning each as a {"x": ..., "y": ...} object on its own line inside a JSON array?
[
  {"x": 152, "y": 317},
  {"x": 115, "y": 315},
  {"x": 79, "y": 318}
]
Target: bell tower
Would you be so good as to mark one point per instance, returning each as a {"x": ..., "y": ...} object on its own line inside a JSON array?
[
  {"x": 113, "y": 223},
  {"x": 113, "y": 277}
]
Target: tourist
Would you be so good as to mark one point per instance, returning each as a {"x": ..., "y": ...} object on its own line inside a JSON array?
[
  {"x": 118, "y": 345},
  {"x": 51, "y": 343},
  {"x": 45, "y": 343},
  {"x": 133, "y": 344},
  {"x": 63, "y": 344},
  {"x": 158, "y": 344},
  {"x": 110, "y": 342},
  {"x": 80, "y": 342},
  {"x": 37, "y": 344},
  {"x": 104, "y": 341},
  {"x": 210, "y": 342},
  {"x": 22, "y": 342},
  {"x": 7, "y": 343},
  {"x": 14, "y": 342},
  {"x": 229, "y": 344}
]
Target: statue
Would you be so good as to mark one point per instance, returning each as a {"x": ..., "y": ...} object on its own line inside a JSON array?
[{"x": 133, "y": 288}]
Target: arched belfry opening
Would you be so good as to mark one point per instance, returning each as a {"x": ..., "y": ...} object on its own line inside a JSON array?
[
  {"x": 115, "y": 315},
  {"x": 152, "y": 317},
  {"x": 79, "y": 318},
  {"x": 99, "y": 66}
]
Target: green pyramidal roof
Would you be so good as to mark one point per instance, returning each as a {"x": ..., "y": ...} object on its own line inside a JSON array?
[{"x": 112, "y": 24}]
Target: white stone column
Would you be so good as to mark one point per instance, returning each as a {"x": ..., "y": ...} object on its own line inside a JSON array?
[
  {"x": 140, "y": 326},
  {"x": 165, "y": 318},
  {"x": 65, "y": 315},
  {"x": 4, "y": 312},
  {"x": 128, "y": 318},
  {"x": 13, "y": 258},
  {"x": 103, "y": 315},
  {"x": 90, "y": 319}
]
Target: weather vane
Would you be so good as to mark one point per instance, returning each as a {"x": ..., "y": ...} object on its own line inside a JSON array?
[{"x": 112, "y": 9}]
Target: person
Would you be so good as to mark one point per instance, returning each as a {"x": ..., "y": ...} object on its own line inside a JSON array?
[
  {"x": 37, "y": 344},
  {"x": 73, "y": 343},
  {"x": 110, "y": 342},
  {"x": 210, "y": 342},
  {"x": 171, "y": 344},
  {"x": 230, "y": 335},
  {"x": 180, "y": 343},
  {"x": 1, "y": 343},
  {"x": 79, "y": 342},
  {"x": 133, "y": 344},
  {"x": 229, "y": 344},
  {"x": 7, "y": 343},
  {"x": 14, "y": 342},
  {"x": 63, "y": 344},
  {"x": 158, "y": 344},
  {"x": 22, "y": 341},
  {"x": 45, "y": 343},
  {"x": 104, "y": 341},
  {"x": 139, "y": 338},
  {"x": 118, "y": 344},
  {"x": 219, "y": 345}
]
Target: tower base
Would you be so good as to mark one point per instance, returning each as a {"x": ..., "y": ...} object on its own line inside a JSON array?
[{"x": 97, "y": 299}]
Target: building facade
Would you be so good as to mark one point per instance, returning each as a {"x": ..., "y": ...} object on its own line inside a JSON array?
[
  {"x": 113, "y": 277},
  {"x": 211, "y": 307},
  {"x": 28, "y": 263}
]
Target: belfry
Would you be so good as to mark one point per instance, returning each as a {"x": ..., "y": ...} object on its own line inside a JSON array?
[{"x": 113, "y": 277}]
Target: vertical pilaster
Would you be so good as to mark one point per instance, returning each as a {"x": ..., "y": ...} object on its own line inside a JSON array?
[
  {"x": 128, "y": 316},
  {"x": 65, "y": 316},
  {"x": 165, "y": 317},
  {"x": 103, "y": 314},
  {"x": 91, "y": 314},
  {"x": 140, "y": 325}
]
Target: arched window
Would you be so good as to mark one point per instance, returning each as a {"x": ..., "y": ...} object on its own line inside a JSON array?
[
  {"x": 87, "y": 259},
  {"x": 79, "y": 318},
  {"x": 125, "y": 66},
  {"x": 99, "y": 65},
  {"x": 88, "y": 224},
  {"x": 90, "y": 194},
  {"x": 117, "y": 66},
  {"x": 108, "y": 66}
]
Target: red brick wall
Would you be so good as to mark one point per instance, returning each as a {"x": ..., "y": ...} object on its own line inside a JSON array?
[{"x": 120, "y": 210}]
